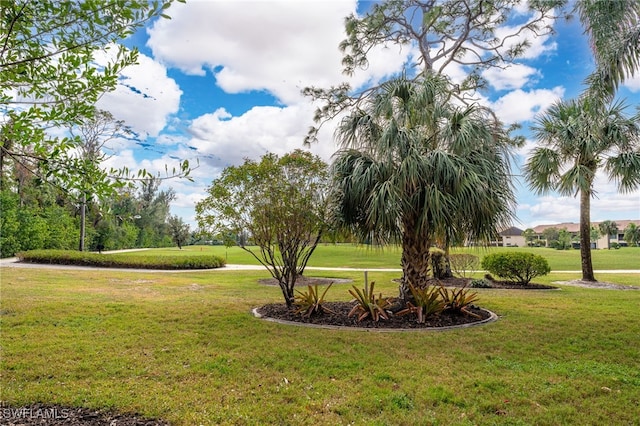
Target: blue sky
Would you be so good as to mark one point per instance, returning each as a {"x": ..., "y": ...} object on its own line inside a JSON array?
[{"x": 221, "y": 81}]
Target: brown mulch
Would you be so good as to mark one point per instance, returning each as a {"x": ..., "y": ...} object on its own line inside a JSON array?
[
  {"x": 56, "y": 415},
  {"x": 340, "y": 312}
]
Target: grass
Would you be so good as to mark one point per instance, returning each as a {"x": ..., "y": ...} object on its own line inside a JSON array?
[
  {"x": 184, "y": 347},
  {"x": 350, "y": 256}
]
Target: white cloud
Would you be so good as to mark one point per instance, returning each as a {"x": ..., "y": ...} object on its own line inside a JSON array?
[
  {"x": 278, "y": 46},
  {"x": 513, "y": 77},
  {"x": 520, "y": 105},
  {"x": 227, "y": 140},
  {"x": 551, "y": 209},
  {"x": 633, "y": 83},
  {"x": 145, "y": 96}
]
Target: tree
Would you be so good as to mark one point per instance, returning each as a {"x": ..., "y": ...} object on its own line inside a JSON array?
[
  {"x": 608, "y": 228},
  {"x": 93, "y": 136},
  {"x": 550, "y": 235},
  {"x": 469, "y": 34},
  {"x": 416, "y": 168},
  {"x": 614, "y": 30},
  {"x": 49, "y": 78},
  {"x": 632, "y": 234},
  {"x": 280, "y": 202},
  {"x": 577, "y": 139},
  {"x": 529, "y": 234},
  {"x": 180, "y": 232}
]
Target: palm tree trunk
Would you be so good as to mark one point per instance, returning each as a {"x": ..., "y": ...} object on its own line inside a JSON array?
[
  {"x": 585, "y": 233},
  {"x": 416, "y": 263}
]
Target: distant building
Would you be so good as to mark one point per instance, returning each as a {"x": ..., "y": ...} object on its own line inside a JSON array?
[
  {"x": 512, "y": 237},
  {"x": 574, "y": 230}
]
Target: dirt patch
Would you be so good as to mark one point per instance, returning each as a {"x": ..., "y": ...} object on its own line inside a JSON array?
[
  {"x": 55, "y": 415},
  {"x": 303, "y": 281}
]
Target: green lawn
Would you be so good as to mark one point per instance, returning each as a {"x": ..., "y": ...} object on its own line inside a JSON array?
[
  {"x": 347, "y": 255},
  {"x": 184, "y": 347}
]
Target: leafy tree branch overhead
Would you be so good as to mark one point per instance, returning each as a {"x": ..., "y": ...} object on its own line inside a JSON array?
[{"x": 50, "y": 79}]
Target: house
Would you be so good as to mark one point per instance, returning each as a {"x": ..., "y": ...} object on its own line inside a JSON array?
[{"x": 512, "y": 237}]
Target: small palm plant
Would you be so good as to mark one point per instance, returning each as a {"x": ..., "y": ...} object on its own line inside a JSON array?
[
  {"x": 458, "y": 300},
  {"x": 427, "y": 301},
  {"x": 310, "y": 302},
  {"x": 367, "y": 304}
]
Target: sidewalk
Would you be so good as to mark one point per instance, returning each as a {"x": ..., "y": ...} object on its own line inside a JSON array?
[{"x": 12, "y": 262}]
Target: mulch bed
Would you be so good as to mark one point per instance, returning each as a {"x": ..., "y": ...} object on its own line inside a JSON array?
[
  {"x": 55, "y": 415},
  {"x": 340, "y": 310},
  {"x": 339, "y": 317}
]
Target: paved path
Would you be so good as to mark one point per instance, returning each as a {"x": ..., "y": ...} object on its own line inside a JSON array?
[{"x": 12, "y": 262}]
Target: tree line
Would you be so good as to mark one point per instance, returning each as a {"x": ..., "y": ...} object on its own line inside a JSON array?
[{"x": 40, "y": 216}]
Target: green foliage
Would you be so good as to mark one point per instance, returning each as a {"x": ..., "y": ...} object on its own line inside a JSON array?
[
  {"x": 368, "y": 304},
  {"x": 563, "y": 242},
  {"x": 120, "y": 260},
  {"x": 9, "y": 224},
  {"x": 50, "y": 78},
  {"x": 180, "y": 232},
  {"x": 427, "y": 301},
  {"x": 281, "y": 202},
  {"x": 458, "y": 299},
  {"x": 416, "y": 167},
  {"x": 518, "y": 266},
  {"x": 463, "y": 264},
  {"x": 480, "y": 283},
  {"x": 632, "y": 234},
  {"x": 615, "y": 246},
  {"x": 577, "y": 139},
  {"x": 311, "y": 302}
]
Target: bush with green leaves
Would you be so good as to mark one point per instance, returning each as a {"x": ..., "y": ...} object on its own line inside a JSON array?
[
  {"x": 480, "y": 283},
  {"x": 120, "y": 260},
  {"x": 516, "y": 266},
  {"x": 311, "y": 302}
]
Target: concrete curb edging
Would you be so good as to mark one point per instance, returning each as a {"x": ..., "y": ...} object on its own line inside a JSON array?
[{"x": 493, "y": 317}]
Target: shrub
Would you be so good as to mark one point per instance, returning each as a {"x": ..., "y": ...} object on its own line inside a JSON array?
[
  {"x": 428, "y": 302},
  {"x": 514, "y": 266},
  {"x": 310, "y": 302},
  {"x": 480, "y": 284},
  {"x": 615, "y": 246},
  {"x": 367, "y": 304},
  {"x": 120, "y": 260},
  {"x": 463, "y": 263}
]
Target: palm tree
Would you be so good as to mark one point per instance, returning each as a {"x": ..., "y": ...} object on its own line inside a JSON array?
[
  {"x": 614, "y": 31},
  {"x": 414, "y": 168},
  {"x": 578, "y": 138},
  {"x": 632, "y": 234},
  {"x": 608, "y": 228}
]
